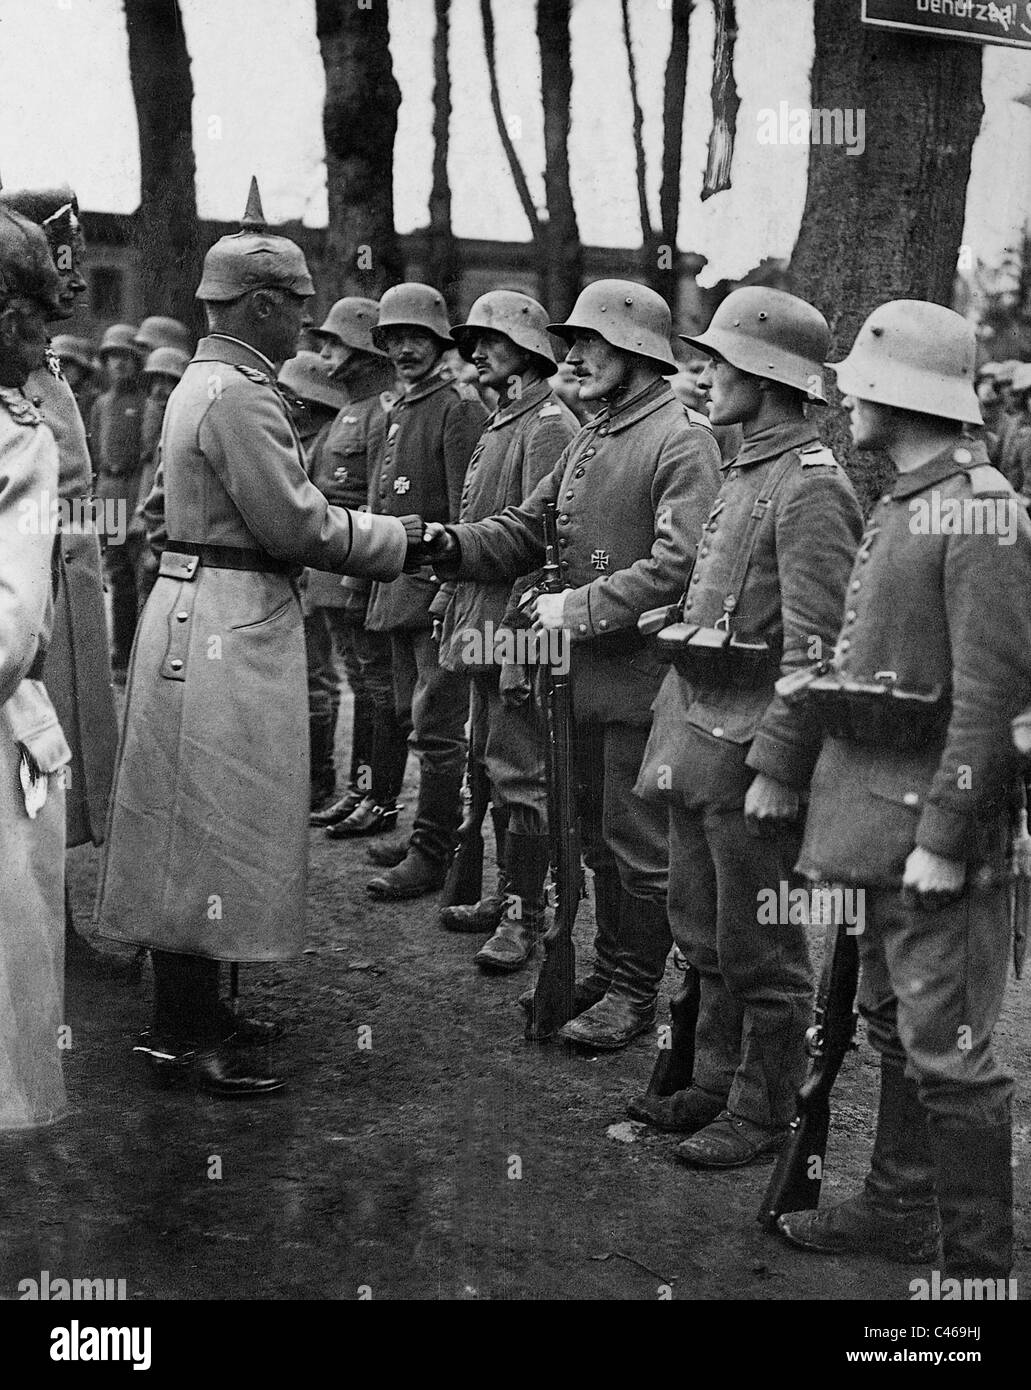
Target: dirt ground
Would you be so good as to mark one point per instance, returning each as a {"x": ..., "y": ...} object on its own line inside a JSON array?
[{"x": 451, "y": 1160}]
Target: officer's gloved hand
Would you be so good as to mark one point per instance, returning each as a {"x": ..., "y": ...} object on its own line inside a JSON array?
[{"x": 416, "y": 555}]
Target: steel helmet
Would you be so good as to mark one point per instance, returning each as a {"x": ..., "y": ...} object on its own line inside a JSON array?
[
  {"x": 120, "y": 337},
  {"x": 987, "y": 369},
  {"x": 68, "y": 348},
  {"x": 915, "y": 356},
  {"x": 353, "y": 321},
  {"x": 517, "y": 316},
  {"x": 771, "y": 334},
  {"x": 253, "y": 259},
  {"x": 1004, "y": 374},
  {"x": 156, "y": 331},
  {"x": 627, "y": 315},
  {"x": 307, "y": 376},
  {"x": 413, "y": 306},
  {"x": 1021, "y": 377},
  {"x": 166, "y": 361}
]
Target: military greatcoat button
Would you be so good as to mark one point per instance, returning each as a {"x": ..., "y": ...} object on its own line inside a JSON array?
[
  {"x": 911, "y": 798},
  {"x": 568, "y": 496},
  {"x": 181, "y": 617},
  {"x": 588, "y": 453},
  {"x": 564, "y": 518},
  {"x": 563, "y": 541},
  {"x": 583, "y": 627},
  {"x": 603, "y": 623},
  {"x": 579, "y": 473},
  {"x": 963, "y": 456},
  {"x": 850, "y": 616},
  {"x": 695, "y": 578},
  {"x": 855, "y": 586},
  {"x": 176, "y": 664},
  {"x": 718, "y": 731}
]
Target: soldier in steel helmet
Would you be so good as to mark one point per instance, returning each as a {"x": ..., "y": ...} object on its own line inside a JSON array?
[
  {"x": 352, "y": 447},
  {"x": 115, "y": 430},
  {"x": 33, "y": 751},
  {"x": 77, "y": 672},
  {"x": 633, "y": 489},
  {"x": 162, "y": 372},
  {"x": 1014, "y": 456},
  {"x": 206, "y": 858},
  {"x": 78, "y": 367},
  {"x": 159, "y": 331},
  {"x": 909, "y": 798},
  {"x": 505, "y": 338},
  {"x": 431, "y": 431},
  {"x": 728, "y": 755}
]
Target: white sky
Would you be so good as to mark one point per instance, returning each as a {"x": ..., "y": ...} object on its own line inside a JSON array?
[{"x": 66, "y": 112}]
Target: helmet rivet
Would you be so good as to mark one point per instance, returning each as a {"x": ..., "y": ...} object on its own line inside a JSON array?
[
  {"x": 737, "y": 323},
  {"x": 628, "y": 300},
  {"x": 877, "y": 332},
  {"x": 604, "y": 307},
  {"x": 762, "y": 316}
]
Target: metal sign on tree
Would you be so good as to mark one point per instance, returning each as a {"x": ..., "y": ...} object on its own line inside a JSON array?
[{"x": 975, "y": 21}]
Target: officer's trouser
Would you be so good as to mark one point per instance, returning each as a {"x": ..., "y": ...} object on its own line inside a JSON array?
[{"x": 756, "y": 981}]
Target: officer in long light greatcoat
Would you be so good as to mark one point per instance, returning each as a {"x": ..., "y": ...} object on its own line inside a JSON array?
[
  {"x": 633, "y": 490},
  {"x": 910, "y": 799},
  {"x": 728, "y": 756},
  {"x": 33, "y": 751},
  {"x": 207, "y": 849},
  {"x": 77, "y": 672}
]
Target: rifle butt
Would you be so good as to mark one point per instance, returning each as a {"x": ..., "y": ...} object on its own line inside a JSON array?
[
  {"x": 798, "y": 1174},
  {"x": 674, "y": 1065},
  {"x": 553, "y": 998},
  {"x": 464, "y": 881}
]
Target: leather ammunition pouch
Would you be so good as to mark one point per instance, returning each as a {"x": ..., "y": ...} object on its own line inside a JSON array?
[
  {"x": 878, "y": 713},
  {"x": 716, "y": 657}
]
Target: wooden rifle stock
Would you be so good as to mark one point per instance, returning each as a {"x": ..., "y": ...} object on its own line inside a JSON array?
[
  {"x": 798, "y": 1175},
  {"x": 674, "y": 1066},
  {"x": 553, "y": 996},
  {"x": 464, "y": 882}
]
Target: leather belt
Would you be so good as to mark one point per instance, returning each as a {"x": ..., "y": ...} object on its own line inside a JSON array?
[{"x": 234, "y": 557}]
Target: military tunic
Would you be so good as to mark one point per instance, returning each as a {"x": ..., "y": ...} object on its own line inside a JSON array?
[
  {"x": 936, "y": 607},
  {"x": 633, "y": 488},
  {"x": 519, "y": 446},
  {"x": 208, "y": 834},
  {"x": 31, "y": 847},
  {"x": 711, "y": 737}
]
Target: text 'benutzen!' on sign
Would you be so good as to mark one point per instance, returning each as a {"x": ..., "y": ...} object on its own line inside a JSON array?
[{"x": 977, "y": 21}]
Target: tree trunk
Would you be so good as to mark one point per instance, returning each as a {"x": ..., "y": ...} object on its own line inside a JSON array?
[
  {"x": 443, "y": 269},
  {"x": 673, "y": 98},
  {"x": 886, "y": 223},
  {"x": 359, "y": 121},
  {"x": 649, "y": 241},
  {"x": 517, "y": 171},
  {"x": 725, "y": 102},
  {"x": 165, "y": 234},
  {"x": 562, "y": 268}
]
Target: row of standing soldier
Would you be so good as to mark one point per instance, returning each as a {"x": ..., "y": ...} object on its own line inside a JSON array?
[{"x": 211, "y": 755}]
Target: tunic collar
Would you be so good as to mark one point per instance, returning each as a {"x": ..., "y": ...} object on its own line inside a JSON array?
[
  {"x": 533, "y": 396},
  {"x": 620, "y": 417},
  {"x": 957, "y": 458},
  {"x": 220, "y": 347},
  {"x": 441, "y": 376},
  {"x": 772, "y": 442}
]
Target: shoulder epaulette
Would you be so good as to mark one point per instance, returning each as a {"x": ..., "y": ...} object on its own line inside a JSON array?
[
  {"x": 21, "y": 410},
  {"x": 986, "y": 481},
  {"x": 252, "y": 374},
  {"x": 817, "y": 455}
]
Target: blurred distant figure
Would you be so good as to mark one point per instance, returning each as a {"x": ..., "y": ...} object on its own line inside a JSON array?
[
  {"x": 78, "y": 367},
  {"x": 115, "y": 428},
  {"x": 161, "y": 374},
  {"x": 565, "y": 386},
  {"x": 156, "y": 331}
]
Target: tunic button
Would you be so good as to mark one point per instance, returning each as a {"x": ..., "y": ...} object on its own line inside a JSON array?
[
  {"x": 564, "y": 517},
  {"x": 695, "y": 578},
  {"x": 563, "y": 541},
  {"x": 583, "y": 627},
  {"x": 844, "y": 645},
  {"x": 588, "y": 453},
  {"x": 176, "y": 664},
  {"x": 855, "y": 586},
  {"x": 911, "y": 798},
  {"x": 579, "y": 473},
  {"x": 181, "y": 617},
  {"x": 718, "y": 731},
  {"x": 568, "y": 496},
  {"x": 886, "y": 497},
  {"x": 850, "y": 616},
  {"x": 688, "y": 603},
  {"x": 704, "y": 550},
  {"x": 603, "y": 623}
]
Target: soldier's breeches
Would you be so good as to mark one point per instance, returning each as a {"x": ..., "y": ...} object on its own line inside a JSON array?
[
  {"x": 323, "y": 682},
  {"x": 389, "y": 745},
  {"x": 617, "y": 826},
  {"x": 510, "y": 744},
  {"x": 756, "y": 980},
  {"x": 931, "y": 990}
]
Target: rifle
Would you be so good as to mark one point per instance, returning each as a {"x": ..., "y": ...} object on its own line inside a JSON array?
[
  {"x": 796, "y": 1180},
  {"x": 674, "y": 1066},
  {"x": 553, "y": 996},
  {"x": 464, "y": 881}
]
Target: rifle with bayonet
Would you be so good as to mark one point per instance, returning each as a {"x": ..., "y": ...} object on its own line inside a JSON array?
[
  {"x": 553, "y": 1004},
  {"x": 796, "y": 1181}
]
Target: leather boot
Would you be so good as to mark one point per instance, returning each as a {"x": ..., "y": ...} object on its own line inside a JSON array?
[
  {"x": 511, "y": 946},
  {"x": 387, "y": 855},
  {"x": 338, "y": 810},
  {"x": 438, "y": 812},
  {"x": 628, "y": 1007},
  {"x": 366, "y": 818},
  {"x": 416, "y": 875},
  {"x": 974, "y": 1182},
  {"x": 323, "y": 772},
  {"x": 895, "y": 1215}
]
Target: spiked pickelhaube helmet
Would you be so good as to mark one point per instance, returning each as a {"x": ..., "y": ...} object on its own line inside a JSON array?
[
  {"x": 352, "y": 320},
  {"x": 916, "y": 356},
  {"x": 26, "y": 265},
  {"x": 253, "y": 259},
  {"x": 772, "y": 334},
  {"x": 518, "y": 317}
]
